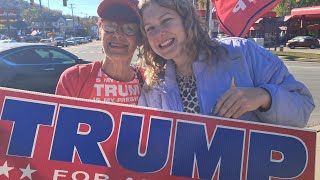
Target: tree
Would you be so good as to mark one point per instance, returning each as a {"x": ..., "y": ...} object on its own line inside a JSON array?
[
  {"x": 285, "y": 6},
  {"x": 29, "y": 14},
  {"x": 202, "y": 4}
]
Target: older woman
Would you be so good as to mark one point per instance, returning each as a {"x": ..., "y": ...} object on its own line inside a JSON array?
[
  {"x": 112, "y": 79},
  {"x": 234, "y": 78}
]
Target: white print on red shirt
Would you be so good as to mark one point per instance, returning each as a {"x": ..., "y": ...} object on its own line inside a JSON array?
[{"x": 110, "y": 90}]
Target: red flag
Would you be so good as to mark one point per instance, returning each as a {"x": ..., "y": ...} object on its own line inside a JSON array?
[{"x": 237, "y": 16}]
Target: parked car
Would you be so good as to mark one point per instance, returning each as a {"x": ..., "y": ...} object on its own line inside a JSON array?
[
  {"x": 60, "y": 41},
  {"x": 31, "y": 38},
  {"x": 303, "y": 41},
  {"x": 221, "y": 35},
  {"x": 48, "y": 42},
  {"x": 3, "y": 37},
  {"x": 78, "y": 40},
  {"x": 70, "y": 41},
  {"x": 34, "y": 67},
  {"x": 89, "y": 38},
  {"x": 8, "y": 41}
]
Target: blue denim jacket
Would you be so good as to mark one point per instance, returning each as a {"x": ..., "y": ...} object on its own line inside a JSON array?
[{"x": 251, "y": 66}]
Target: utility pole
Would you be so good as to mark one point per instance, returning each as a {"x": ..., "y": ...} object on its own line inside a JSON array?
[
  {"x": 208, "y": 10},
  {"x": 8, "y": 23},
  {"x": 195, "y": 3},
  {"x": 41, "y": 15},
  {"x": 72, "y": 19},
  {"x": 87, "y": 23}
]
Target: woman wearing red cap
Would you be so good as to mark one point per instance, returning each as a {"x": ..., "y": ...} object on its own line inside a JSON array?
[{"x": 113, "y": 79}]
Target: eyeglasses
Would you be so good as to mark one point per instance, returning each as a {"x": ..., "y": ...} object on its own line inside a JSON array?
[{"x": 130, "y": 29}]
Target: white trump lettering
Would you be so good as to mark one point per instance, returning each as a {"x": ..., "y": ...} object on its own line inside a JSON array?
[{"x": 240, "y": 5}]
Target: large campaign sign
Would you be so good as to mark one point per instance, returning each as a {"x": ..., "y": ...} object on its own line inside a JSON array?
[
  {"x": 52, "y": 137},
  {"x": 237, "y": 16}
]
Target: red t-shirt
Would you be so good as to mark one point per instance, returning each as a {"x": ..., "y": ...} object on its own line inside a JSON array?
[{"x": 110, "y": 90}]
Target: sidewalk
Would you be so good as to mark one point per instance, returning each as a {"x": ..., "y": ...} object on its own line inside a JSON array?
[
  {"x": 317, "y": 128},
  {"x": 292, "y": 58}
]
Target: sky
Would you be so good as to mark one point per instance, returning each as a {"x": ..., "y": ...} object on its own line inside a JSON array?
[{"x": 81, "y": 8}]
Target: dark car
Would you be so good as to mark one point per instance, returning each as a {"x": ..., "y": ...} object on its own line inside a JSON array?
[
  {"x": 31, "y": 38},
  {"x": 60, "y": 41},
  {"x": 89, "y": 38},
  {"x": 33, "y": 67},
  {"x": 303, "y": 41}
]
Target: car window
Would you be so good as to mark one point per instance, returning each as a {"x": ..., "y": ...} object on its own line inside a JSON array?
[
  {"x": 40, "y": 56},
  {"x": 55, "y": 56},
  {"x": 27, "y": 56}
]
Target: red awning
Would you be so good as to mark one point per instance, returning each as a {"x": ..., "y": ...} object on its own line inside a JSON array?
[
  {"x": 202, "y": 13},
  {"x": 258, "y": 21},
  {"x": 306, "y": 10}
]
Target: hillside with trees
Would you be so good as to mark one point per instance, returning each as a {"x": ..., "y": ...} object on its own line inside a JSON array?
[
  {"x": 284, "y": 7},
  {"x": 28, "y": 12}
]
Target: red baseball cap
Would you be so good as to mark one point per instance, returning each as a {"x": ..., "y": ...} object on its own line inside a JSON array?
[{"x": 119, "y": 10}]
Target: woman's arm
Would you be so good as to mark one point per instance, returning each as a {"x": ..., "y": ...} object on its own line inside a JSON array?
[{"x": 291, "y": 101}]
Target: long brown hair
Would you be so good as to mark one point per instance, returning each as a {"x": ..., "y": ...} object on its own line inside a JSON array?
[{"x": 197, "y": 38}]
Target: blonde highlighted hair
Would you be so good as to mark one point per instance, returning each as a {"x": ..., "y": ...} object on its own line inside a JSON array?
[{"x": 197, "y": 38}]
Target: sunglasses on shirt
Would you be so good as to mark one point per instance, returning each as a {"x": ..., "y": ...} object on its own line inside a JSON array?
[{"x": 130, "y": 29}]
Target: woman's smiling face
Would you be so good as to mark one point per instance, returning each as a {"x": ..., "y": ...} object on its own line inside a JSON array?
[
  {"x": 118, "y": 44},
  {"x": 165, "y": 31}
]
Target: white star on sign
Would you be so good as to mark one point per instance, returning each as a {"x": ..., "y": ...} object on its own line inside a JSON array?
[
  {"x": 5, "y": 169},
  {"x": 27, "y": 172}
]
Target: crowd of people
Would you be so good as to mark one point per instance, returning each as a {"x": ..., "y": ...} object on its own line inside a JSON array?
[{"x": 183, "y": 69}]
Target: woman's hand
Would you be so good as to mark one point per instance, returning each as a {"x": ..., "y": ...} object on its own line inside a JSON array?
[{"x": 237, "y": 101}]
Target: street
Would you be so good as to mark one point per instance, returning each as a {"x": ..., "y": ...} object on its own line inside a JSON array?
[
  {"x": 302, "y": 50},
  {"x": 306, "y": 72},
  {"x": 298, "y": 49}
]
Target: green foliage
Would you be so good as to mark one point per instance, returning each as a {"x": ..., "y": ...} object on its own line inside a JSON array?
[
  {"x": 285, "y": 6},
  {"x": 202, "y": 4},
  {"x": 292, "y": 55},
  {"x": 29, "y": 14}
]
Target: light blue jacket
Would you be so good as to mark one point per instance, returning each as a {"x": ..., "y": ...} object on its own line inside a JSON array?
[{"x": 251, "y": 66}]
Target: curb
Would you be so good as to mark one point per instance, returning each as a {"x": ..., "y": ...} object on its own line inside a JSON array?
[
  {"x": 290, "y": 58},
  {"x": 317, "y": 128}
]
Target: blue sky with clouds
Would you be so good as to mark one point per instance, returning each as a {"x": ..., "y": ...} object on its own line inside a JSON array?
[{"x": 81, "y": 8}]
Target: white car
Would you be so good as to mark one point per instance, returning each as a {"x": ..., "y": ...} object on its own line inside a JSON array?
[{"x": 8, "y": 41}]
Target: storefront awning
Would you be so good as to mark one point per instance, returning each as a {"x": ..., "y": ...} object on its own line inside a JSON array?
[
  {"x": 202, "y": 13},
  {"x": 258, "y": 21},
  {"x": 305, "y": 11}
]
